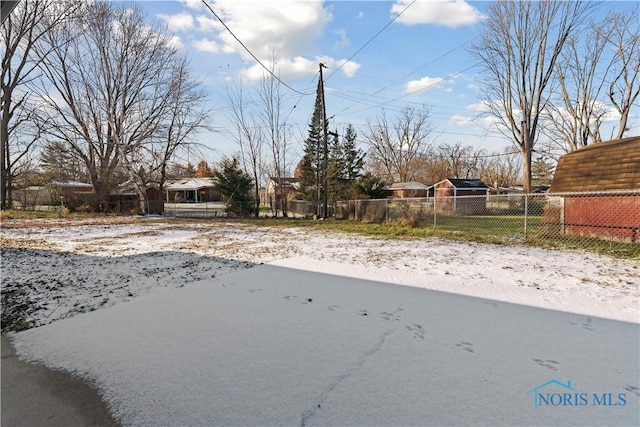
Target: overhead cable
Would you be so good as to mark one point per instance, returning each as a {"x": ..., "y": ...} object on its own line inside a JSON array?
[
  {"x": 370, "y": 40},
  {"x": 251, "y": 53}
]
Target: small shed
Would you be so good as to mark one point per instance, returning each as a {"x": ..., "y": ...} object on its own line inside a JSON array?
[
  {"x": 597, "y": 190},
  {"x": 408, "y": 189},
  {"x": 461, "y": 196}
]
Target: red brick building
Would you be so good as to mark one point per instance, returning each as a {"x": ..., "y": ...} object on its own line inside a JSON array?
[
  {"x": 598, "y": 189},
  {"x": 461, "y": 196}
]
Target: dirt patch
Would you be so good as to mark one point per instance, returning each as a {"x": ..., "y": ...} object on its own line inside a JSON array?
[
  {"x": 6, "y": 242},
  {"x": 54, "y": 269}
]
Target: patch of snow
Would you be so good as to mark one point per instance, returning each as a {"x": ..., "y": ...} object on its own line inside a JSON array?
[
  {"x": 81, "y": 268},
  {"x": 276, "y": 346}
]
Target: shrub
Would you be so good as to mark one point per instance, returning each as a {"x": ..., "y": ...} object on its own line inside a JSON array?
[
  {"x": 64, "y": 212},
  {"x": 84, "y": 208}
]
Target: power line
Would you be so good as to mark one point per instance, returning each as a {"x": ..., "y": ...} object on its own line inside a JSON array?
[
  {"x": 300, "y": 99},
  {"x": 370, "y": 39},
  {"x": 389, "y": 101},
  {"x": 420, "y": 68},
  {"x": 251, "y": 53}
]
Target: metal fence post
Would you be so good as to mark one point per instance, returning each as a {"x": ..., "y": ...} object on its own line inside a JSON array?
[
  {"x": 386, "y": 210},
  {"x": 435, "y": 210},
  {"x": 526, "y": 214}
]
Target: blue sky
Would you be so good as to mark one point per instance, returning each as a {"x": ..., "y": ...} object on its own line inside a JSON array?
[{"x": 421, "y": 58}]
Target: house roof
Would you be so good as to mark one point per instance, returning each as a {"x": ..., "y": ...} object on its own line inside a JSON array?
[
  {"x": 612, "y": 165},
  {"x": 465, "y": 183},
  {"x": 66, "y": 183},
  {"x": 189, "y": 184},
  {"x": 285, "y": 180},
  {"x": 408, "y": 186},
  {"x": 128, "y": 189}
]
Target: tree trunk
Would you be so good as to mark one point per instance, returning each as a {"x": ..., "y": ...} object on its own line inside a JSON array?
[
  {"x": 526, "y": 161},
  {"x": 4, "y": 144}
]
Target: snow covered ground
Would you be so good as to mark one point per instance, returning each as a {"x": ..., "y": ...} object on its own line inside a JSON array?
[
  {"x": 231, "y": 324},
  {"x": 69, "y": 267}
]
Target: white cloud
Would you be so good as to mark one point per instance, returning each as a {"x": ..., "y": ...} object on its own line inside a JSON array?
[
  {"x": 182, "y": 21},
  {"x": 300, "y": 67},
  {"x": 479, "y": 107},
  {"x": 360, "y": 14},
  {"x": 426, "y": 82},
  {"x": 175, "y": 42},
  {"x": 286, "y": 30},
  {"x": 608, "y": 112},
  {"x": 458, "y": 120},
  {"x": 206, "y": 24},
  {"x": 206, "y": 45},
  {"x": 285, "y": 69},
  {"x": 343, "y": 40},
  {"x": 287, "y": 27},
  {"x": 349, "y": 68},
  {"x": 453, "y": 13},
  {"x": 193, "y": 4}
]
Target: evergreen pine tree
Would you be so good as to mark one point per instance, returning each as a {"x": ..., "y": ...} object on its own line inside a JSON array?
[
  {"x": 371, "y": 186},
  {"x": 235, "y": 186},
  {"x": 311, "y": 167},
  {"x": 353, "y": 159},
  {"x": 336, "y": 171}
]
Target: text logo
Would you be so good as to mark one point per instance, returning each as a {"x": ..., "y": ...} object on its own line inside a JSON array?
[{"x": 555, "y": 393}]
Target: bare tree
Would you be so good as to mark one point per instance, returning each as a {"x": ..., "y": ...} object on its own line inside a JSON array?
[
  {"x": 108, "y": 87},
  {"x": 624, "y": 86},
  {"x": 185, "y": 116},
  {"x": 518, "y": 51},
  {"x": 249, "y": 136},
  {"x": 596, "y": 72},
  {"x": 277, "y": 134},
  {"x": 575, "y": 121},
  {"x": 503, "y": 168},
  {"x": 398, "y": 148},
  {"x": 461, "y": 162},
  {"x": 22, "y": 30}
]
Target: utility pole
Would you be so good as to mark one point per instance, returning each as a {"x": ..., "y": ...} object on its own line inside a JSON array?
[{"x": 325, "y": 148}]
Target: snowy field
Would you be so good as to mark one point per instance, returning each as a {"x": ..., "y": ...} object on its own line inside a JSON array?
[
  {"x": 69, "y": 267},
  {"x": 216, "y": 323}
]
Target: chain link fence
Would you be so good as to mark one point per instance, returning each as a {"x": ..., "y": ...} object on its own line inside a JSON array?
[
  {"x": 581, "y": 219},
  {"x": 195, "y": 210}
]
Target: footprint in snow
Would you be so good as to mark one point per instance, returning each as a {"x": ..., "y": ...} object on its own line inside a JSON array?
[
  {"x": 632, "y": 389},
  {"x": 549, "y": 364},
  {"x": 417, "y": 329},
  {"x": 466, "y": 346}
]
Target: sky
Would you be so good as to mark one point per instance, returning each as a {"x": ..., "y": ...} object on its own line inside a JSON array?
[{"x": 380, "y": 55}]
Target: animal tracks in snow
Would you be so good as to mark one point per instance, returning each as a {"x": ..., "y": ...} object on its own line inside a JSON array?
[
  {"x": 549, "y": 364},
  {"x": 418, "y": 331},
  {"x": 466, "y": 346}
]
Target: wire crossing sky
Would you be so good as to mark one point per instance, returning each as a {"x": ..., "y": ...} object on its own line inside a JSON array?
[{"x": 381, "y": 55}]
